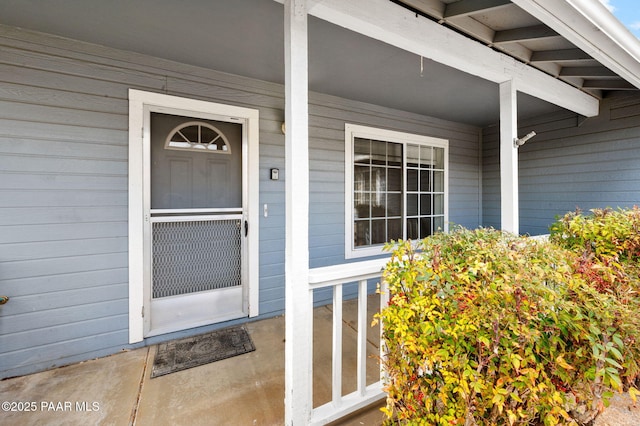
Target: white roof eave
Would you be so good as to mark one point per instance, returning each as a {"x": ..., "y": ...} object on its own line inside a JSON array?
[
  {"x": 385, "y": 21},
  {"x": 592, "y": 27}
]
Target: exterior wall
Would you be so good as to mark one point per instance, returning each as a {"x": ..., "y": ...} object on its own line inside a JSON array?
[
  {"x": 571, "y": 163},
  {"x": 63, "y": 179}
]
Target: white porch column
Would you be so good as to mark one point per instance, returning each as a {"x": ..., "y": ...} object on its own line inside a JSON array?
[
  {"x": 509, "y": 158},
  {"x": 298, "y": 300}
]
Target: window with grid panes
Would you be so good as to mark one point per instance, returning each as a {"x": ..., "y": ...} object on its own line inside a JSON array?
[{"x": 396, "y": 188}]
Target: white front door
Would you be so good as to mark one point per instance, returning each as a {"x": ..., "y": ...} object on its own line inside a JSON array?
[{"x": 197, "y": 205}]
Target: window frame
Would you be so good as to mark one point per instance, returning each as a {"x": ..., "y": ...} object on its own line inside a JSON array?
[{"x": 353, "y": 131}]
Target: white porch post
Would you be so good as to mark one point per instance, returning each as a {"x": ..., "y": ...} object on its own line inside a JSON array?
[
  {"x": 298, "y": 299},
  {"x": 509, "y": 158}
]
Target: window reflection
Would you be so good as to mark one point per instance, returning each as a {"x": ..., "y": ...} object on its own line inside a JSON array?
[{"x": 398, "y": 191}]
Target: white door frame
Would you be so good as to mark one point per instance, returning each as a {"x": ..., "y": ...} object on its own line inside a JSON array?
[{"x": 141, "y": 104}]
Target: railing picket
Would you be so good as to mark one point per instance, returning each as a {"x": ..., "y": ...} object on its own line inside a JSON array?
[
  {"x": 362, "y": 336},
  {"x": 336, "y": 381},
  {"x": 335, "y": 276},
  {"x": 384, "y": 301}
]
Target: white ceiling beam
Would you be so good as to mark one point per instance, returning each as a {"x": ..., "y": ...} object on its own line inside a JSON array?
[
  {"x": 587, "y": 72},
  {"x": 591, "y": 27},
  {"x": 517, "y": 35},
  {"x": 561, "y": 55},
  {"x": 434, "y": 8},
  {"x": 601, "y": 84},
  {"x": 469, "y": 7},
  {"x": 397, "y": 26},
  {"x": 474, "y": 28}
]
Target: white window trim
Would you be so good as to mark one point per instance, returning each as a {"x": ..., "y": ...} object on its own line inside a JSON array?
[{"x": 357, "y": 131}]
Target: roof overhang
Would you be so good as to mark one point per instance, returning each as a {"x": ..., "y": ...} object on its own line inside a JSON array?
[
  {"x": 590, "y": 26},
  {"x": 437, "y": 58},
  {"x": 392, "y": 24}
]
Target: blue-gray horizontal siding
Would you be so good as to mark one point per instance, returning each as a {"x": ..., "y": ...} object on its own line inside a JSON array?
[
  {"x": 63, "y": 182},
  {"x": 572, "y": 163}
]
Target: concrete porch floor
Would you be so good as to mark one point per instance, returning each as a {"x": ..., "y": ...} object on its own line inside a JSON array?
[{"x": 243, "y": 390}]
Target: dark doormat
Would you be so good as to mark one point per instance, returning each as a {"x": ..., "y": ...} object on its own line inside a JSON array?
[{"x": 198, "y": 350}]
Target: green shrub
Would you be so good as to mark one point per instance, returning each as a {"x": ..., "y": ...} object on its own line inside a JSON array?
[
  {"x": 605, "y": 233},
  {"x": 607, "y": 243},
  {"x": 489, "y": 328}
]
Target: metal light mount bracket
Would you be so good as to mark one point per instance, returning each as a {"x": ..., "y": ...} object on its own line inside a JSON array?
[{"x": 518, "y": 142}]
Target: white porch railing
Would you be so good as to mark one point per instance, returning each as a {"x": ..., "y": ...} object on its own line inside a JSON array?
[{"x": 335, "y": 277}]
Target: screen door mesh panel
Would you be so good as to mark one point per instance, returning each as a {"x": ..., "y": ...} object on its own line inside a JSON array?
[{"x": 194, "y": 256}]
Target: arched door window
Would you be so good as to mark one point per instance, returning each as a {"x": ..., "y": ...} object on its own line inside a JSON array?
[{"x": 198, "y": 136}]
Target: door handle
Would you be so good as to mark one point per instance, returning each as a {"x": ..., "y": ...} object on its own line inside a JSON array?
[{"x": 246, "y": 228}]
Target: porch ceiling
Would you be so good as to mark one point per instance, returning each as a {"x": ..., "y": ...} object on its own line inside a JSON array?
[
  {"x": 516, "y": 29},
  {"x": 245, "y": 37}
]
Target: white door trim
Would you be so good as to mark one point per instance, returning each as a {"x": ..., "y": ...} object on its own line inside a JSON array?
[{"x": 141, "y": 104}]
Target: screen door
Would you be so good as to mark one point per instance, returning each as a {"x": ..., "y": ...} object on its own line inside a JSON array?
[{"x": 197, "y": 227}]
